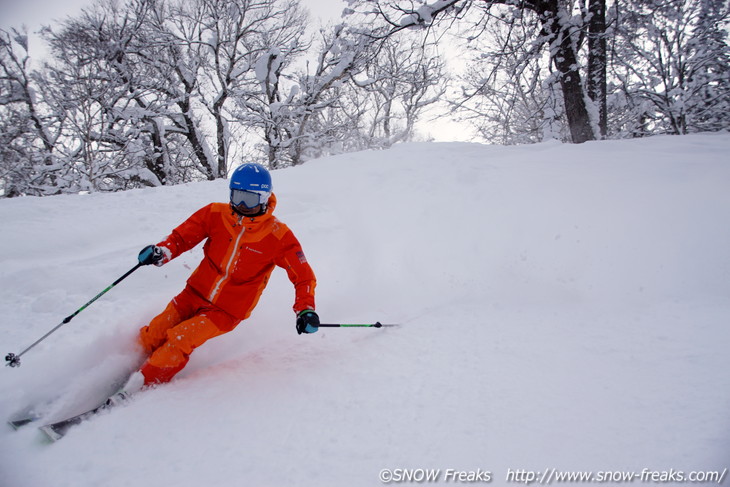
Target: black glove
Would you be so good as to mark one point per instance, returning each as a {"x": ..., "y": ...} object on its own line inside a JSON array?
[
  {"x": 307, "y": 322},
  {"x": 152, "y": 254}
]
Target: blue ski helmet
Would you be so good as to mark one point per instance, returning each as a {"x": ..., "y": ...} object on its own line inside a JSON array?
[{"x": 250, "y": 186}]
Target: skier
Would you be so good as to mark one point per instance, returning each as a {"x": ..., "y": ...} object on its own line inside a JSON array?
[{"x": 243, "y": 243}]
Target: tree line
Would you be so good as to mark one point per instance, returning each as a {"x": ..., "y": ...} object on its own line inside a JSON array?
[
  {"x": 159, "y": 92},
  {"x": 579, "y": 70}
]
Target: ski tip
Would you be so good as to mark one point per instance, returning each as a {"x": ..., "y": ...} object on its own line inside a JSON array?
[{"x": 16, "y": 424}]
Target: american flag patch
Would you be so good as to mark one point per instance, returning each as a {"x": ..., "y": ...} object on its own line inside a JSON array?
[{"x": 302, "y": 258}]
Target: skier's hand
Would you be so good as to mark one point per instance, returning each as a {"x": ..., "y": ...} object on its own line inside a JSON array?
[
  {"x": 307, "y": 322},
  {"x": 151, "y": 254}
]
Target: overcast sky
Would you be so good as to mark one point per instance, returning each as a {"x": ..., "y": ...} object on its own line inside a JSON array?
[{"x": 34, "y": 13}]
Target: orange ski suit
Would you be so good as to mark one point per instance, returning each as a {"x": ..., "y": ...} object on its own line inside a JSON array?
[{"x": 240, "y": 253}]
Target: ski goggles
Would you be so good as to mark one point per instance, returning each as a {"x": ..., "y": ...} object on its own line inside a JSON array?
[{"x": 249, "y": 199}]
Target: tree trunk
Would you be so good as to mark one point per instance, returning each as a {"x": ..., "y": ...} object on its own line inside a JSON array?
[
  {"x": 563, "y": 55},
  {"x": 156, "y": 162},
  {"x": 195, "y": 139},
  {"x": 221, "y": 140},
  {"x": 562, "y": 52},
  {"x": 597, "y": 61}
]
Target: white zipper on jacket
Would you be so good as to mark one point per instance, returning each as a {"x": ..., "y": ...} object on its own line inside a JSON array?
[{"x": 219, "y": 284}]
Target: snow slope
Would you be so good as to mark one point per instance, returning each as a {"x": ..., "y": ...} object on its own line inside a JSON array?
[{"x": 562, "y": 306}]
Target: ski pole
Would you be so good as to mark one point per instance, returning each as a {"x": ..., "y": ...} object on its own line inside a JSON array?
[
  {"x": 377, "y": 324},
  {"x": 13, "y": 360}
]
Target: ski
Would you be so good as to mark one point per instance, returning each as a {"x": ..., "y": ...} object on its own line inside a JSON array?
[
  {"x": 57, "y": 430},
  {"x": 18, "y": 423},
  {"x": 112, "y": 396},
  {"x": 30, "y": 414}
]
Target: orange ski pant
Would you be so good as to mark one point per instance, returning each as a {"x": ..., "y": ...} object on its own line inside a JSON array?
[{"x": 187, "y": 322}]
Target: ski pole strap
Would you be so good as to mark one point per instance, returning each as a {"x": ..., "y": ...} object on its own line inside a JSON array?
[{"x": 377, "y": 324}]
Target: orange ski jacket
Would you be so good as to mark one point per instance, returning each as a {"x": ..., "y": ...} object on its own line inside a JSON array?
[{"x": 239, "y": 255}]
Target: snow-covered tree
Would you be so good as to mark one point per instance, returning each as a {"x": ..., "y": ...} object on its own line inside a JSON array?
[
  {"x": 237, "y": 34},
  {"x": 403, "y": 79},
  {"x": 281, "y": 104},
  {"x": 149, "y": 84},
  {"x": 672, "y": 67},
  {"x": 562, "y": 27},
  {"x": 107, "y": 144},
  {"x": 509, "y": 93},
  {"x": 355, "y": 94},
  {"x": 29, "y": 129}
]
